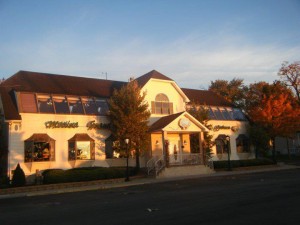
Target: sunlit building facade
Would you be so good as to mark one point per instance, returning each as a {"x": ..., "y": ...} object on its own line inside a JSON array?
[{"x": 58, "y": 121}]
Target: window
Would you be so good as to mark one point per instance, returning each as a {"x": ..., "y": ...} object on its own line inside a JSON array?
[
  {"x": 225, "y": 114},
  {"x": 162, "y": 105},
  {"x": 28, "y": 102},
  {"x": 242, "y": 144},
  {"x": 89, "y": 106},
  {"x": 221, "y": 144},
  {"x": 45, "y": 104},
  {"x": 238, "y": 115},
  {"x": 39, "y": 148},
  {"x": 75, "y": 105},
  {"x": 81, "y": 147},
  {"x": 218, "y": 114},
  {"x": 61, "y": 105},
  {"x": 102, "y": 107}
]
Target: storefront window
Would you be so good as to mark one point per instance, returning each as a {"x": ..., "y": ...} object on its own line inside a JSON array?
[
  {"x": 81, "y": 147},
  {"x": 45, "y": 104},
  {"x": 220, "y": 146},
  {"x": 39, "y": 148}
]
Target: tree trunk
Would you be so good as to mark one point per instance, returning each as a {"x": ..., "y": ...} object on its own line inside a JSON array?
[
  {"x": 137, "y": 159},
  {"x": 288, "y": 147},
  {"x": 274, "y": 151}
]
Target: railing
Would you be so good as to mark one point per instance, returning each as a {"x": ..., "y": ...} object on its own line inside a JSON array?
[
  {"x": 160, "y": 164},
  {"x": 185, "y": 159},
  {"x": 209, "y": 163},
  {"x": 155, "y": 165}
]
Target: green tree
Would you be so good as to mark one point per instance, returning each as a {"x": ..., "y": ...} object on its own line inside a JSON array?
[
  {"x": 129, "y": 116},
  {"x": 233, "y": 91},
  {"x": 18, "y": 178}
]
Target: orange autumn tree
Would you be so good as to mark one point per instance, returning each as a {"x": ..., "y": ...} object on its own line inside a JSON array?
[{"x": 277, "y": 112}]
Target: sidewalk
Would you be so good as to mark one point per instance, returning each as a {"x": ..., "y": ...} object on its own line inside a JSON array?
[{"x": 36, "y": 190}]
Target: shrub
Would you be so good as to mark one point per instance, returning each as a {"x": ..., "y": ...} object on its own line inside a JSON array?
[
  {"x": 19, "y": 178},
  {"x": 242, "y": 163},
  {"x": 83, "y": 174}
]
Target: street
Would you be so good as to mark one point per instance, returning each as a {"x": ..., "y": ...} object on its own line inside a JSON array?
[{"x": 258, "y": 198}]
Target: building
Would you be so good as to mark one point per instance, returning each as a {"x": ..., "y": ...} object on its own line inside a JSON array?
[{"x": 58, "y": 121}]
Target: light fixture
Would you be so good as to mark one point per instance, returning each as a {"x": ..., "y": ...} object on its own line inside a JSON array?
[
  {"x": 185, "y": 142},
  {"x": 157, "y": 142},
  {"x": 126, "y": 141}
]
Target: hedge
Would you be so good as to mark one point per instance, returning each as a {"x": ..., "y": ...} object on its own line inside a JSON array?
[
  {"x": 52, "y": 176},
  {"x": 242, "y": 163}
]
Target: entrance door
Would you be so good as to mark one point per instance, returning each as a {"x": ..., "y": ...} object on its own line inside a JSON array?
[{"x": 174, "y": 151}]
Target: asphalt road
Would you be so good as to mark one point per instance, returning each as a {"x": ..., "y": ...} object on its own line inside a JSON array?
[{"x": 260, "y": 198}]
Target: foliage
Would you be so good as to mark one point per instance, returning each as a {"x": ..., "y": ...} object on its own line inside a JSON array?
[
  {"x": 290, "y": 74},
  {"x": 242, "y": 163},
  {"x": 129, "y": 115},
  {"x": 259, "y": 138},
  {"x": 233, "y": 91},
  {"x": 18, "y": 178},
  {"x": 52, "y": 176},
  {"x": 201, "y": 114}
]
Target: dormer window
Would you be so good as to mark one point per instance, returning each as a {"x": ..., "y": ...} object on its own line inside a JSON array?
[
  {"x": 45, "y": 104},
  {"x": 161, "y": 105}
]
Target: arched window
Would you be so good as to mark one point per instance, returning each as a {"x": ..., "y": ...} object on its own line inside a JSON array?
[{"x": 161, "y": 105}]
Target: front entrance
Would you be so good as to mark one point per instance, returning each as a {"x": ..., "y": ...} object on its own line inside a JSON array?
[{"x": 175, "y": 150}]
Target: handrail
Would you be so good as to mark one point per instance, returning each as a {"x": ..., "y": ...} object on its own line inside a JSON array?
[{"x": 160, "y": 164}]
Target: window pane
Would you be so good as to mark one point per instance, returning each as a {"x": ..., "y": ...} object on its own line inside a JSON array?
[
  {"x": 102, "y": 107},
  {"x": 211, "y": 114},
  {"x": 61, "y": 105},
  {"x": 218, "y": 114},
  {"x": 225, "y": 114},
  {"x": 45, "y": 104},
  {"x": 165, "y": 108},
  {"x": 89, "y": 106},
  {"x": 161, "y": 98},
  {"x": 220, "y": 146},
  {"x": 238, "y": 115},
  {"x": 83, "y": 150},
  {"x": 75, "y": 105},
  {"x": 158, "y": 108},
  {"x": 41, "y": 151},
  {"x": 72, "y": 150}
]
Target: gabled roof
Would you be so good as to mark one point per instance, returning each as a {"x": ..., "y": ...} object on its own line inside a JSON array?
[
  {"x": 163, "y": 122},
  {"x": 204, "y": 97},
  {"x": 142, "y": 80}
]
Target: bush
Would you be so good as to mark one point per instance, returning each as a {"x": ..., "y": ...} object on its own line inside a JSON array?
[
  {"x": 83, "y": 174},
  {"x": 242, "y": 163},
  {"x": 19, "y": 178}
]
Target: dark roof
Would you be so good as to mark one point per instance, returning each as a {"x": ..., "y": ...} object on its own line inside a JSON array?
[
  {"x": 204, "y": 97},
  {"x": 61, "y": 84},
  {"x": 164, "y": 121},
  {"x": 25, "y": 81},
  {"x": 40, "y": 137},
  {"x": 142, "y": 80}
]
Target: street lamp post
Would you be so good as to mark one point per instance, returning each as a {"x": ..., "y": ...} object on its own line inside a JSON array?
[
  {"x": 127, "y": 156},
  {"x": 227, "y": 138}
]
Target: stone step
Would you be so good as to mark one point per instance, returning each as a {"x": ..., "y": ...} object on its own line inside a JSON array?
[{"x": 179, "y": 171}]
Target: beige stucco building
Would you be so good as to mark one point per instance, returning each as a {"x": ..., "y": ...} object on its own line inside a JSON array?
[{"x": 58, "y": 121}]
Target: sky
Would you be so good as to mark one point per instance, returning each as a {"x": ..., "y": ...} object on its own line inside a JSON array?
[{"x": 193, "y": 42}]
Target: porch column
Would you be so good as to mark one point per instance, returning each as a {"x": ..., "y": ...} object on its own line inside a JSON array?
[
  {"x": 165, "y": 150},
  {"x": 201, "y": 142}
]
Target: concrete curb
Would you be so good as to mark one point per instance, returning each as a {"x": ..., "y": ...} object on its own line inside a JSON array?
[{"x": 39, "y": 190}]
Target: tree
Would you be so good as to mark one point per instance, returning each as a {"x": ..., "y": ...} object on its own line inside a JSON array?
[
  {"x": 290, "y": 74},
  {"x": 201, "y": 114},
  {"x": 233, "y": 91},
  {"x": 18, "y": 179},
  {"x": 275, "y": 111},
  {"x": 129, "y": 116}
]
